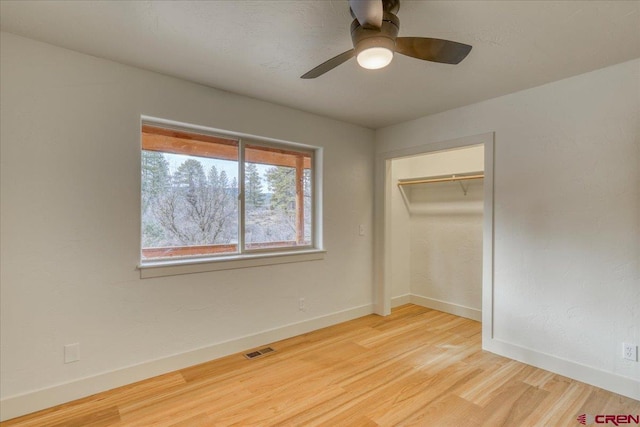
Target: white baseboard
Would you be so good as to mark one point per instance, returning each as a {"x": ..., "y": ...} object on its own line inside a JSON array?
[
  {"x": 447, "y": 307},
  {"x": 400, "y": 300},
  {"x": 586, "y": 374},
  {"x": 18, "y": 405}
]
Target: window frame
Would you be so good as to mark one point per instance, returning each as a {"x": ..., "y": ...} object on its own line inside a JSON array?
[
  {"x": 242, "y": 183},
  {"x": 243, "y": 257}
]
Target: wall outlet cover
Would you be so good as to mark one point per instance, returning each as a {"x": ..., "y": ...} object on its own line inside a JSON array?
[
  {"x": 630, "y": 351},
  {"x": 71, "y": 353}
]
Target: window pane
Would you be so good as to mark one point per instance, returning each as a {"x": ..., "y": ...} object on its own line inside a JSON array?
[
  {"x": 189, "y": 194},
  {"x": 277, "y": 186}
]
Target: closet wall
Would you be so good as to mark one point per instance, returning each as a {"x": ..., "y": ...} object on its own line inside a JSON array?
[{"x": 437, "y": 233}]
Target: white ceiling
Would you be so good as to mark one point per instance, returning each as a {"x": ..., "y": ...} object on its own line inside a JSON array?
[{"x": 261, "y": 48}]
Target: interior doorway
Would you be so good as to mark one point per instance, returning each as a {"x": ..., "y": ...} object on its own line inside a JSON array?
[
  {"x": 414, "y": 260},
  {"x": 436, "y": 230}
]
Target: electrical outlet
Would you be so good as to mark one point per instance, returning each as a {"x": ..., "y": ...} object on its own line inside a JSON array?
[
  {"x": 630, "y": 351},
  {"x": 301, "y": 305},
  {"x": 361, "y": 229},
  {"x": 71, "y": 353}
]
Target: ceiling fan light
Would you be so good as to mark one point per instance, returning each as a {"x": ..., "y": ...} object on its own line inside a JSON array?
[{"x": 374, "y": 58}]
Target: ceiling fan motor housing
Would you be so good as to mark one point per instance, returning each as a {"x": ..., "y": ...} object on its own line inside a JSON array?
[{"x": 365, "y": 38}]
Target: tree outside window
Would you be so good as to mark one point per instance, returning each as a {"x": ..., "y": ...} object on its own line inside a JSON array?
[{"x": 190, "y": 196}]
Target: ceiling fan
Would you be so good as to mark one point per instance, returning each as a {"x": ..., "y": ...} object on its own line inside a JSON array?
[{"x": 374, "y": 33}]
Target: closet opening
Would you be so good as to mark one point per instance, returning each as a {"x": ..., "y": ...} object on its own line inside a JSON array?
[
  {"x": 436, "y": 235},
  {"x": 436, "y": 230}
]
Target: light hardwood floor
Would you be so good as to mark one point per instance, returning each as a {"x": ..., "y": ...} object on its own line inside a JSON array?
[{"x": 415, "y": 367}]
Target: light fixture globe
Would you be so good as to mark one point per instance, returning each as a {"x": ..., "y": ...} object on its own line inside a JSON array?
[
  {"x": 374, "y": 47},
  {"x": 374, "y": 58}
]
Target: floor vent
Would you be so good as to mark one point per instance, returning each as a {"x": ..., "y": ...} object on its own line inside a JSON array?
[{"x": 258, "y": 353}]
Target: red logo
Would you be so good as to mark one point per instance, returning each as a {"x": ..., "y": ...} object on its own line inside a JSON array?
[
  {"x": 586, "y": 419},
  {"x": 616, "y": 420}
]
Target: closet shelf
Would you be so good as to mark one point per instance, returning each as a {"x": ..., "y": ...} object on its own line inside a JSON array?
[{"x": 441, "y": 178}]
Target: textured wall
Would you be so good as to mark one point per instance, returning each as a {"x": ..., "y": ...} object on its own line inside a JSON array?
[
  {"x": 70, "y": 221},
  {"x": 446, "y": 244},
  {"x": 437, "y": 238},
  {"x": 567, "y": 212},
  {"x": 446, "y": 229},
  {"x": 400, "y": 236}
]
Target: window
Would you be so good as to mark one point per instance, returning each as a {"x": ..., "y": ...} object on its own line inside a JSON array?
[{"x": 207, "y": 195}]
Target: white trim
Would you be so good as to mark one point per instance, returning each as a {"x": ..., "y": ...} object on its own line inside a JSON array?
[
  {"x": 381, "y": 251},
  {"x": 400, "y": 300},
  {"x": 195, "y": 265},
  {"x": 488, "y": 239},
  {"x": 587, "y": 374},
  {"x": 447, "y": 307},
  {"x": 18, "y": 405}
]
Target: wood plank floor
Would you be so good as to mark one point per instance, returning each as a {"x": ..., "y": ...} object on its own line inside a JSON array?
[{"x": 416, "y": 367}]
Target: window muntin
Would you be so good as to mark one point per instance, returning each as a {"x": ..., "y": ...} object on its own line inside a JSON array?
[{"x": 191, "y": 187}]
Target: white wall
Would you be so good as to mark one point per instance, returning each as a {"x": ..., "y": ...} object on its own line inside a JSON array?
[
  {"x": 447, "y": 162},
  {"x": 440, "y": 163},
  {"x": 445, "y": 232},
  {"x": 566, "y": 219},
  {"x": 400, "y": 235},
  {"x": 446, "y": 246},
  {"x": 70, "y": 225}
]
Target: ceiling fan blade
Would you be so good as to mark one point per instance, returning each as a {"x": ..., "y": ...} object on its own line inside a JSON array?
[
  {"x": 367, "y": 12},
  {"x": 435, "y": 50},
  {"x": 329, "y": 65}
]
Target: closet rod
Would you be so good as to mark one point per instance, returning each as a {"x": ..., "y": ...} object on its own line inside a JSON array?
[{"x": 449, "y": 178}]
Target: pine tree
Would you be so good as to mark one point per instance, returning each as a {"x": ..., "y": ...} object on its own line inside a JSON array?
[
  {"x": 253, "y": 188},
  {"x": 191, "y": 178},
  {"x": 156, "y": 180},
  {"x": 155, "y": 177},
  {"x": 282, "y": 183}
]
